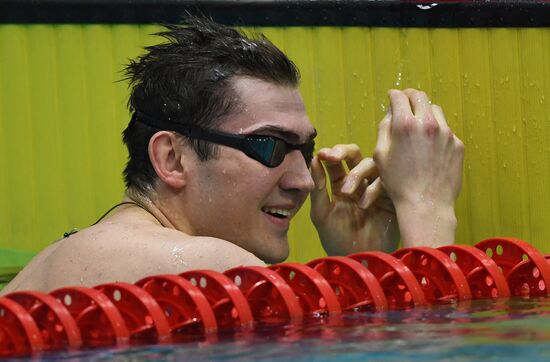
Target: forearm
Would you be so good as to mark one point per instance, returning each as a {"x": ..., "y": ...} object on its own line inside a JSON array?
[{"x": 426, "y": 224}]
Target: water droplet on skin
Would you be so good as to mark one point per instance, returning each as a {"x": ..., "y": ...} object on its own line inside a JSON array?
[{"x": 387, "y": 229}]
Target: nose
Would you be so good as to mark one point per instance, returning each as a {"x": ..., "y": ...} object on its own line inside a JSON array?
[{"x": 297, "y": 175}]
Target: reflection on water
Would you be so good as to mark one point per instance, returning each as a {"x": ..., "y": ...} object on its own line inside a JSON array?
[{"x": 492, "y": 330}]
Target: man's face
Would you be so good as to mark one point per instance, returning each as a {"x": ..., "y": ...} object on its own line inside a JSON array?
[{"x": 235, "y": 197}]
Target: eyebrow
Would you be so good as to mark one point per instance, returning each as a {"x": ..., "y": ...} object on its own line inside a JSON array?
[{"x": 285, "y": 133}]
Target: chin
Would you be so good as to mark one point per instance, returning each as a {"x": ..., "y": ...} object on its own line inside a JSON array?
[
  {"x": 274, "y": 256},
  {"x": 274, "y": 260}
]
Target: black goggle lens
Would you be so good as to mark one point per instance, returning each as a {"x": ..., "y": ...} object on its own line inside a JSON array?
[{"x": 271, "y": 151}]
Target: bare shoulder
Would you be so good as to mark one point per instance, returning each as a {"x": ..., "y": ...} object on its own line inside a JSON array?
[
  {"x": 129, "y": 252},
  {"x": 31, "y": 276},
  {"x": 179, "y": 251}
]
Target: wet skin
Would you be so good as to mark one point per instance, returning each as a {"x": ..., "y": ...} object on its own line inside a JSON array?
[
  {"x": 232, "y": 210},
  {"x": 225, "y": 212}
]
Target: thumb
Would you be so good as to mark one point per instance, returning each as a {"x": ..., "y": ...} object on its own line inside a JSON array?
[
  {"x": 384, "y": 135},
  {"x": 320, "y": 201}
]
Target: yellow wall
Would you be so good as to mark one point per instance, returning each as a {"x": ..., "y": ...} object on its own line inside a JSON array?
[{"x": 62, "y": 112}]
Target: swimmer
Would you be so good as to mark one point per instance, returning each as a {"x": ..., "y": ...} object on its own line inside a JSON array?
[{"x": 221, "y": 158}]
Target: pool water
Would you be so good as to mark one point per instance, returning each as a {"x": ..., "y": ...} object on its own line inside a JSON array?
[{"x": 489, "y": 330}]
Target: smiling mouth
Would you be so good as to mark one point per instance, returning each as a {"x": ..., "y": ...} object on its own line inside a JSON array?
[{"x": 278, "y": 213}]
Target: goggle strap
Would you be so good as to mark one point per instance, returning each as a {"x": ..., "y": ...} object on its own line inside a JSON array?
[{"x": 198, "y": 133}]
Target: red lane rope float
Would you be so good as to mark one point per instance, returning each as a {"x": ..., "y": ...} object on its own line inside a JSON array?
[
  {"x": 143, "y": 316},
  {"x": 57, "y": 327},
  {"x": 160, "y": 305},
  {"x": 185, "y": 306},
  {"x": 354, "y": 285},
  {"x": 508, "y": 252},
  {"x": 398, "y": 282},
  {"x": 99, "y": 321},
  {"x": 482, "y": 273},
  {"x": 270, "y": 298},
  {"x": 526, "y": 280},
  {"x": 315, "y": 294},
  {"x": 19, "y": 334},
  {"x": 228, "y": 303},
  {"x": 440, "y": 278}
]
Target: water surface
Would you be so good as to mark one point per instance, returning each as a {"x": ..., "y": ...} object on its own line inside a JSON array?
[{"x": 490, "y": 330}]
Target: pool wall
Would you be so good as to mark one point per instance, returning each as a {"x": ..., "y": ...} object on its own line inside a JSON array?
[{"x": 62, "y": 111}]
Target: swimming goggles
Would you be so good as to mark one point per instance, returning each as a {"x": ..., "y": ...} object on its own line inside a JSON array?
[{"x": 268, "y": 150}]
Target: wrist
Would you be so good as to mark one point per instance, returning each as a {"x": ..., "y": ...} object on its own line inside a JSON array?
[{"x": 426, "y": 224}]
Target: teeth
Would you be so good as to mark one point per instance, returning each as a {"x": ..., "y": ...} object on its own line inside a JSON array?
[{"x": 272, "y": 210}]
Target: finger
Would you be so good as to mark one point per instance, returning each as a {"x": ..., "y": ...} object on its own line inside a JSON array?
[
  {"x": 439, "y": 116},
  {"x": 353, "y": 155},
  {"x": 384, "y": 135},
  {"x": 400, "y": 106},
  {"x": 359, "y": 177},
  {"x": 336, "y": 173},
  {"x": 373, "y": 191},
  {"x": 350, "y": 153},
  {"x": 420, "y": 103},
  {"x": 334, "y": 162},
  {"x": 320, "y": 201}
]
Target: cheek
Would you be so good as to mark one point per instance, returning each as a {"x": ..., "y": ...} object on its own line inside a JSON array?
[
  {"x": 243, "y": 192},
  {"x": 244, "y": 176},
  {"x": 236, "y": 182}
]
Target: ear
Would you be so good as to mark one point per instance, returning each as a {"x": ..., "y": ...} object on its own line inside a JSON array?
[{"x": 165, "y": 153}]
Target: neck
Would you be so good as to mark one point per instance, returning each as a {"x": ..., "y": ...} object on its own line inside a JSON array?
[{"x": 148, "y": 204}]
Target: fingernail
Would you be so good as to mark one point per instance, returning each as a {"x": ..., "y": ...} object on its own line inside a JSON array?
[
  {"x": 321, "y": 184},
  {"x": 364, "y": 202},
  {"x": 347, "y": 187}
]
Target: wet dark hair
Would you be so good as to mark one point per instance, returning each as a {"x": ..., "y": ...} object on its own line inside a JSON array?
[{"x": 188, "y": 80}]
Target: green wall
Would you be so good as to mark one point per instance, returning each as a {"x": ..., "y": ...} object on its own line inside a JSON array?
[{"x": 62, "y": 112}]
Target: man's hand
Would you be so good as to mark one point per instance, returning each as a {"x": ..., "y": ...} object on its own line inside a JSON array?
[
  {"x": 357, "y": 216},
  {"x": 420, "y": 163}
]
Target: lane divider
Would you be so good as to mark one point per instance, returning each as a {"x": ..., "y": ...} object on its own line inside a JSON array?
[
  {"x": 398, "y": 282},
  {"x": 200, "y": 304},
  {"x": 440, "y": 278}
]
